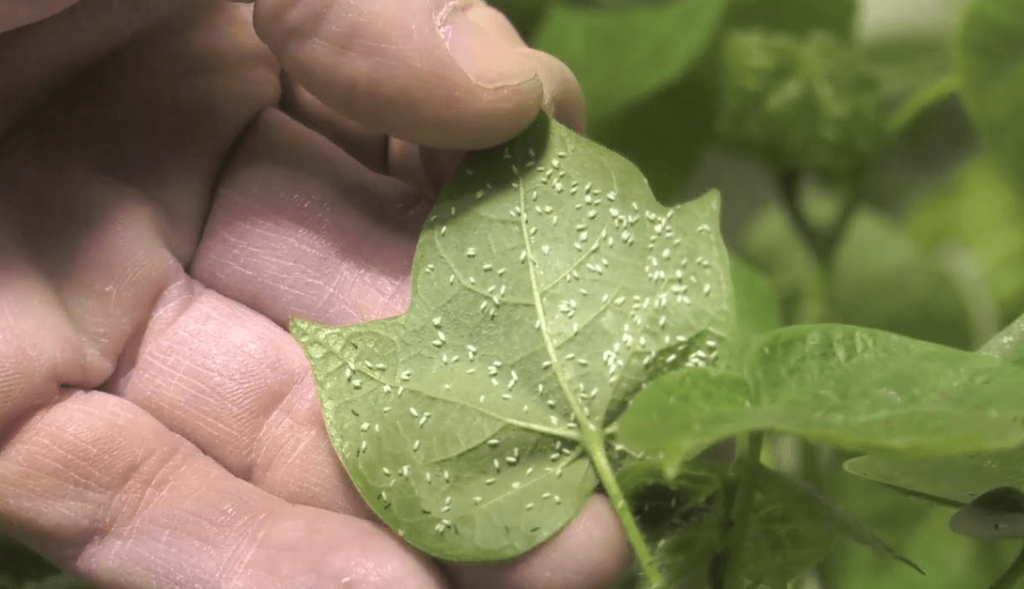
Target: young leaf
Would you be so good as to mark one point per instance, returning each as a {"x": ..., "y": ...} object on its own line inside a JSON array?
[
  {"x": 990, "y": 61},
  {"x": 847, "y": 386},
  {"x": 548, "y": 285},
  {"x": 623, "y": 55}
]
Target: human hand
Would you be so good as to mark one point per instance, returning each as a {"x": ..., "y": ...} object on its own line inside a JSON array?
[{"x": 168, "y": 200}]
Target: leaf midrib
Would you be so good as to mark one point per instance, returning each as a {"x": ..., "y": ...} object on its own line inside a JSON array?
[{"x": 549, "y": 345}]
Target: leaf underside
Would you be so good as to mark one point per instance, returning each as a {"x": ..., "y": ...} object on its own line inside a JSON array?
[{"x": 548, "y": 285}]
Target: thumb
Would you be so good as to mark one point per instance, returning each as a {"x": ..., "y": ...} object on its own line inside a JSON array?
[{"x": 442, "y": 73}]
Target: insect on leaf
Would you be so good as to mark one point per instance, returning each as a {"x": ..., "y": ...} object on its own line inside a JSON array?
[{"x": 548, "y": 285}]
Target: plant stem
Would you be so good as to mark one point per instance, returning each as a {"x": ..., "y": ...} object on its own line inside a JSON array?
[
  {"x": 593, "y": 441},
  {"x": 920, "y": 102},
  {"x": 823, "y": 244},
  {"x": 1013, "y": 575},
  {"x": 742, "y": 510}
]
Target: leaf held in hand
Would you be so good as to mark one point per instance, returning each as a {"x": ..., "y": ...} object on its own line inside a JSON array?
[{"x": 548, "y": 285}]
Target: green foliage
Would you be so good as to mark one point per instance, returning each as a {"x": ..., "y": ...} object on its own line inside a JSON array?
[
  {"x": 878, "y": 276},
  {"x": 990, "y": 63},
  {"x": 803, "y": 103},
  {"x": 850, "y": 387},
  {"x": 795, "y": 16},
  {"x": 601, "y": 47},
  {"x": 785, "y": 538},
  {"x": 549, "y": 285},
  {"x": 979, "y": 210}
]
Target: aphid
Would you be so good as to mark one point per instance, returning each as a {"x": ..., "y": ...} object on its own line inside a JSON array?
[{"x": 365, "y": 426}]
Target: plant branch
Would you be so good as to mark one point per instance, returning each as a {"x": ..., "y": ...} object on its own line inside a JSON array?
[
  {"x": 789, "y": 186},
  {"x": 742, "y": 509},
  {"x": 1013, "y": 575},
  {"x": 822, "y": 243},
  {"x": 594, "y": 443}
]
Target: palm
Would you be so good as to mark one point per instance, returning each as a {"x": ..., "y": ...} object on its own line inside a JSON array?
[{"x": 160, "y": 220}]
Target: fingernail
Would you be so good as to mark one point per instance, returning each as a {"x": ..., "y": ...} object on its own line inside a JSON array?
[{"x": 484, "y": 55}]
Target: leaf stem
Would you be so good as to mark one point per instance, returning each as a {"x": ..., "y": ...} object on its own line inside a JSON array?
[
  {"x": 593, "y": 441},
  {"x": 742, "y": 510},
  {"x": 919, "y": 103},
  {"x": 1013, "y": 575}
]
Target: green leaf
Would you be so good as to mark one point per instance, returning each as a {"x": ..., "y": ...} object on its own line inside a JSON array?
[
  {"x": 851, "y": 387},
  {"x": 622, "y": 55},
  {"x": 956, "y": 480},
  {"x": 990, "y": 62},
  {"x": 1008, "y": 344},
  {"x": 548, "y": 285},
  {"x": 913, "y": 527},
  {"x": 673, "y": 417},
  {"x": 795, "y": 16}
]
